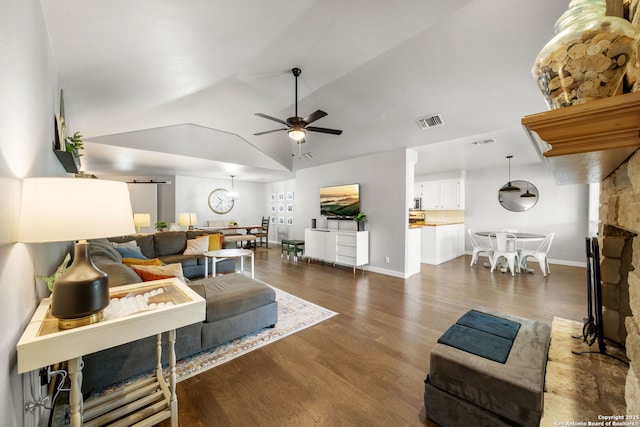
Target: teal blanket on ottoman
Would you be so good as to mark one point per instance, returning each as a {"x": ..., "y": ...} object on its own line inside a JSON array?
[
  {"x": 482, "y": 334},
  {"x": 464, "y": 388}
]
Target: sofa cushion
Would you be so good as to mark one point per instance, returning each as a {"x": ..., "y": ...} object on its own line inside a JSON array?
[
  {"x": 216, "y": 241},
  {"x": 127, "y": 252},
  {"x": 102, "y": 248},
  {"x": 173, "y": 270},
  {"x": 125, "y": 244},
  {"x": 197, "y": 246},
  {"x": 138, "y": 261},
  {"x": 169, "y": 243},
  {"x": 148, "y": 276},
  {"x": 146, "y": 245},
  {"x": 232, "y": 294},
  {"x": 185, "y": 260},
  {"x": 118, "y": 273}
]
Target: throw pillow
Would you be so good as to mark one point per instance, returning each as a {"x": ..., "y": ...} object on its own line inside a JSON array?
[
  {"x": 197, "y": 246},
  {"x": 103, "y": 248},
  {"x": 215, "y": 241},
  {"x": 126, "y": 252},
  {"x": 174, "y": 270},
  {"x": 129, "y": 244},
  {"x": 148, "y": 276},
  {"x": 138, "y": 261}
]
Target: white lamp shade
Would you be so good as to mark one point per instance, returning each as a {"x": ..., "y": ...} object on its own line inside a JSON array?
[
  {"x": 141, "y": 219},
  {"x": 297, "y": 134},
  {"x": 187, "y": 219},
  {"x": 64, "y": 209}
]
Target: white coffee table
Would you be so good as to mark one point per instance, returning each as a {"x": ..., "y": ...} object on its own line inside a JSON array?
[{"x": 227, "y": 253}]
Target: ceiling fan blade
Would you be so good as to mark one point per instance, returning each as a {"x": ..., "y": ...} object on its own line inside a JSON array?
[
  {"x": 264, "y": 116},
  {"x": 318, "y": 114},
  {"x": 324, "y": 130},
  {"x": 269, "y": 131}
]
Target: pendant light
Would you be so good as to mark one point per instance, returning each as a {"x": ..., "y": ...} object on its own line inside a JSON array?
[
  {"x": 528, "y": 193},
  {"x": 508, "y": 187},
  {"x": 232, "y": 194}
]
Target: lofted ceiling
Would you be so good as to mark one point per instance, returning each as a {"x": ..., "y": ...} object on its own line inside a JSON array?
[{"x": 172, "y": 87}]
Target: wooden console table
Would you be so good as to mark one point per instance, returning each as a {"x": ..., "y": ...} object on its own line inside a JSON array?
[{"x": 174, "y": 305}]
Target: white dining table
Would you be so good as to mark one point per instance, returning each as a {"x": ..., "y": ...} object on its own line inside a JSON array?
[{"x": 521, "y": 237}]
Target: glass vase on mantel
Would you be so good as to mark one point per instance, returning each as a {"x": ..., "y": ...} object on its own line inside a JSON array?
[{"x": 587, "y": 58}]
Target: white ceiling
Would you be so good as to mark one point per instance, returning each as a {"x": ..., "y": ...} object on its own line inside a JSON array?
[{"x": 171, "y": 87}]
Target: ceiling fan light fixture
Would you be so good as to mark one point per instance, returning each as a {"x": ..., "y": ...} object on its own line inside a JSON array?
[{"x": 297, "y": 133}]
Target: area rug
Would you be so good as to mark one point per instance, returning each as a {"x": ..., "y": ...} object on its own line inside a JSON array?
[{"x": 294, "y": 315}]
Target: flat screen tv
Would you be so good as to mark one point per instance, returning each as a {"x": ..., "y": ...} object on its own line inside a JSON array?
[{"x": 340, "y": 200}]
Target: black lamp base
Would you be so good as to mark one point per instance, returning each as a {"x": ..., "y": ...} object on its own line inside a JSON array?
[{"x": 81, "y": 293}]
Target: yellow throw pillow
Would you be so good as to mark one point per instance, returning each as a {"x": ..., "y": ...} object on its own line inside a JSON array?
[
  {"x": 137, "y": 261},
  {"x": 165, "y": 270},
  {"x": 197, "y": 246},
  {"x": 215, "y": 241}
]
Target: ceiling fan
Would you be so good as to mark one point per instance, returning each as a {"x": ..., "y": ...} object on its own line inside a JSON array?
[{"x": 297, "y": 127}]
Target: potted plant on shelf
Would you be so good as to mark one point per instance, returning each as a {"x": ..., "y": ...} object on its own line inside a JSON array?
[
  {"x": 160, "y": 225},
  {"x": 74, "y": 143},
  {"x": 360, "y": 219}
]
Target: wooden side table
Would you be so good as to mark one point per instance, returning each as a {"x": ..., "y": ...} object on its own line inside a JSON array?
[{"x": 43, "y": 344}]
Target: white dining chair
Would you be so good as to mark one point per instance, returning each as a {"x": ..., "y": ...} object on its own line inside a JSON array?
[
  {"x": 481, "y": 246},
  {"x": 540, "y": 254},
  {"x": 505, "y": 246}
]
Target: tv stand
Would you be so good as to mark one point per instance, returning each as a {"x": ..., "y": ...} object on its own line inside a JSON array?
[{"x": 344, "y": 247}]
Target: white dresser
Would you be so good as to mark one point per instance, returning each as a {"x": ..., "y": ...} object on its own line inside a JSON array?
[{"x": 346, "y": 247}]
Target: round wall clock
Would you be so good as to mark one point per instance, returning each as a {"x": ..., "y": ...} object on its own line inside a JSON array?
[{"x": 219, "y": 201}]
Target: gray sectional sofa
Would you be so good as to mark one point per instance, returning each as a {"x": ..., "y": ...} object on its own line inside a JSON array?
[
  {"x": 235, "y": 306},
  {"x": 168, "y": 246}
]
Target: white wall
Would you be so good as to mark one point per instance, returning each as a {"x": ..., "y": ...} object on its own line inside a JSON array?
[
  {"x": 30, "y": 89},
  {"x": 279, "y": 227},
  {"x": 562, "y": 209},
  {"x": 192, "y": 195},
  {"x": 166, "y": 195},
  {"x": 383, "y": 179}
]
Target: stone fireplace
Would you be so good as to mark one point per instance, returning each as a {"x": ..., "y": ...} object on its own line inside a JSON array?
[
  {"x": 617, "y": 256},
  {"x": 619, "y": 224}
]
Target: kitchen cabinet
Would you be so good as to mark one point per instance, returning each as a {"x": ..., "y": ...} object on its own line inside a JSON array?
[
  {"x": 446, "y": 194},
  {"x": 442, "y": 243},
  {"x": 339, "y": 247},
  {"x": 413, "y": 254}
]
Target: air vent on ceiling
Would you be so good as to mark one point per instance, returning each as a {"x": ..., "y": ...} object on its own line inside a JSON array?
[
  {"x": 483, "y": 142},
  {"x": 430, "y": 121},
  {"x": 309, "y": 154}
]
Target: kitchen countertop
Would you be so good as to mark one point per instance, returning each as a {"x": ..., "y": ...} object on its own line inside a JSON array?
[{"x": 433, "y": 224}]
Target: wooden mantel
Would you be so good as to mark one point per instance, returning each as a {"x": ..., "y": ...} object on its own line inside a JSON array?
[{"x": 585, "y": 143}]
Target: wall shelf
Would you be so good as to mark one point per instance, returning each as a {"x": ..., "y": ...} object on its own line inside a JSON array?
[
  {"x": 585, "y": 143},
  {"x": 67, "y": 160}
]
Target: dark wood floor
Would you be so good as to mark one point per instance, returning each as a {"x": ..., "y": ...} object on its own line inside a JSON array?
[{"x": 365, "y": 366}]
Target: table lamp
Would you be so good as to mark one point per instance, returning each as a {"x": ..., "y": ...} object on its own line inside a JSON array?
[
  {"x": 141, "y": 220},
  {"x": 188, "y": 219},
  {"x": 64, "y": 209}
]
